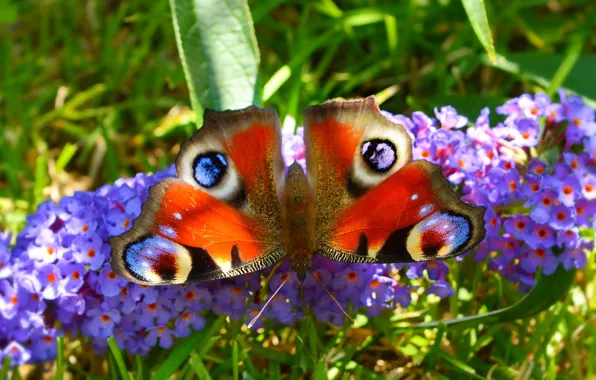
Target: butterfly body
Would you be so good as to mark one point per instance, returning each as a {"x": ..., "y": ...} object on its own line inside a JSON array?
[{"x": 233, "y": 208}]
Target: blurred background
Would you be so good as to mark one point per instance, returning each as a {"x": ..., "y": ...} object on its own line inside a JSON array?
[{"x": 93, "y": 90}]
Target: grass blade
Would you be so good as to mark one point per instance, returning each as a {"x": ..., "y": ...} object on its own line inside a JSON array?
[
  {"x": 185, "y": 347},
  {"x": 118, "y": 358},
  {"x": 59, "y": 358},
  {"x": 479, "y": 21}
]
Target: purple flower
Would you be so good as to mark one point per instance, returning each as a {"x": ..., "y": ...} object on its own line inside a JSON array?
[
  {"x": 449, "y": 118},
  {"x": 50, "y": 278},
  {"x": 441, "y": 289},
  {"x": 165, "y": 336},
  {"x": 573, "y": 258},
  {"x": 101, "y": 323},
  {"x": 19, "y": 355},
  {"x": 539, "y": 257},
  {"x": 88, "y": 249},
  {"x": 109, "y": 283},
  {"x": 526, "y": 133},
  {"x": 186, "y": 321}
]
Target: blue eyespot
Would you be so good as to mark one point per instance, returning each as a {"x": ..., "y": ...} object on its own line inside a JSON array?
[
  {"x": 210, "y": 168},
  {"x": 379, "y": 155}
]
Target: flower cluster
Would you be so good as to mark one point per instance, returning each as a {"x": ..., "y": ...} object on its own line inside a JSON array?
[{"x": 58, "y": 273}]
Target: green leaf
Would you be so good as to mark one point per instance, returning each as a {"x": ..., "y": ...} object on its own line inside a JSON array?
[
  {"x": 545, "y": 293},
  {"x": 219, "y": 52},
  {"x": 118, "y": 357},
  {"x": 479, "y": 21}
]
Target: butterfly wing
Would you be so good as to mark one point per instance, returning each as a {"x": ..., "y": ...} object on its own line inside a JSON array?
[
  {"x": 373, "y": 203},
  {"x": 220, "y": 216}
]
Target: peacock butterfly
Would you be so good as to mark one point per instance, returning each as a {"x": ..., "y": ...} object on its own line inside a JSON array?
[{"x": 233, "y": 208}]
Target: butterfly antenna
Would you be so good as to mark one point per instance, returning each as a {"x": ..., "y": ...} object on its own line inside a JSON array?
[
  {"x": 254, "y": 320},
  {"x": 332, "y": 297}
]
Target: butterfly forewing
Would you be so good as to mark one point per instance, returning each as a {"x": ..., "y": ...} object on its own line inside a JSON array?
[
  {"x": 221, "y": 216},
  {"x": 373, "y": 204}
]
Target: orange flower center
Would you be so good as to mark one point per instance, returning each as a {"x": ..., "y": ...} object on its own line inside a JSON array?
[
  {"x": 493, "y": 221},
  {"x": 318, "y": 276},
  {"x": 48, "y": 339},
  {"x": 50, "y": 250},
  {"x": 285, "y": 277},
  {"x": 161, "y": 329},
  {"x": 526, "y": 135},
  {"x": 512, "y": 185},
  {"x": 124, "y": 291},
  {"x": 152, "y": 307},
  {"x": 535, "y": 187},
  {"x": 540, "y": 252},
  {"x": 425, "y": 154},
  {"x": 577, "y": 122},
  {"x": 567, "y": 190},
  {"x": 539, "y": 170},
  {"x": 125, "y": 223},
  {"x": 352, "y": 276},
  {"x": 520, "y": 225},
  {"x": 542, "y": 233},
  {"x": 190, "y": 296},
  {"x": 14, "y": 300},
  {"x": 186, "y": 316},
  {"x": 589, "y": 188},
  {"x": 236, "y": 290},
  {"x": 461, "y": 164},
  {"x": 76, "y": 275},
  {"x": 534, "y": 111},
  {"x": 546, "y": 201},
  {"x": 574, "y": 164},
  {"x": 91, "y": 253},
  {"x": 580, "y": 210},
  {"x": 51, "y": 277},
  {"x": 111, "y": 275},
  {"x": 507, "y": 165},
  {"x": 374, "y": 283},
  {"x": 105, "y": 318},
  {"x": 85, "y": 228},
  {"x": 561, "y": 216}
]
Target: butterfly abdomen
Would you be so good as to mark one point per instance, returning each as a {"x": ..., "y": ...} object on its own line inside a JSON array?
[{"x": 298, "y": 220}]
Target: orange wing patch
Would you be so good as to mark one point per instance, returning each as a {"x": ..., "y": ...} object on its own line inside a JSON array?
[{"x": 196, "y": 219}]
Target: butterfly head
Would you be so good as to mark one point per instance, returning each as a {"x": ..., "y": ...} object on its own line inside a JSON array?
[{"x": 301, "y": 264}]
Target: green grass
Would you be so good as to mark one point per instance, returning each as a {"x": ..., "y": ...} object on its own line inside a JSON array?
[{"x": 91, "y": 91}]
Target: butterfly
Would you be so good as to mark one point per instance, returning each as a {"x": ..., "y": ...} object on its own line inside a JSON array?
[{"x": 234, "y": 208}]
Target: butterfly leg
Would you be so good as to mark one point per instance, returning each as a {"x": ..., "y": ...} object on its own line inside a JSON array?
[{"x": 258, "y": 295}]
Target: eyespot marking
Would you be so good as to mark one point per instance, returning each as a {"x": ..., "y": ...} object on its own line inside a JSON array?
[
  {"x": 209, "y": 168},
  {"x": 414, "y": 197},
  {"x": 441, "y": 235},
  {"x": 155, "y": 259},
  {"x": 177, "y": 216},
  {"x": 380, "y": 155}
]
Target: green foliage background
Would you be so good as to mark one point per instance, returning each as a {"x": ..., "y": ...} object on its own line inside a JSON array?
[{"x": 94, "y": 90}]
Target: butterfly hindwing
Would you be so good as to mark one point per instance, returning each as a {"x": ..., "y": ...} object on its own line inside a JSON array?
[
  {"x": 220, "y": 217},
  {"x": 373, "y": 203}
]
